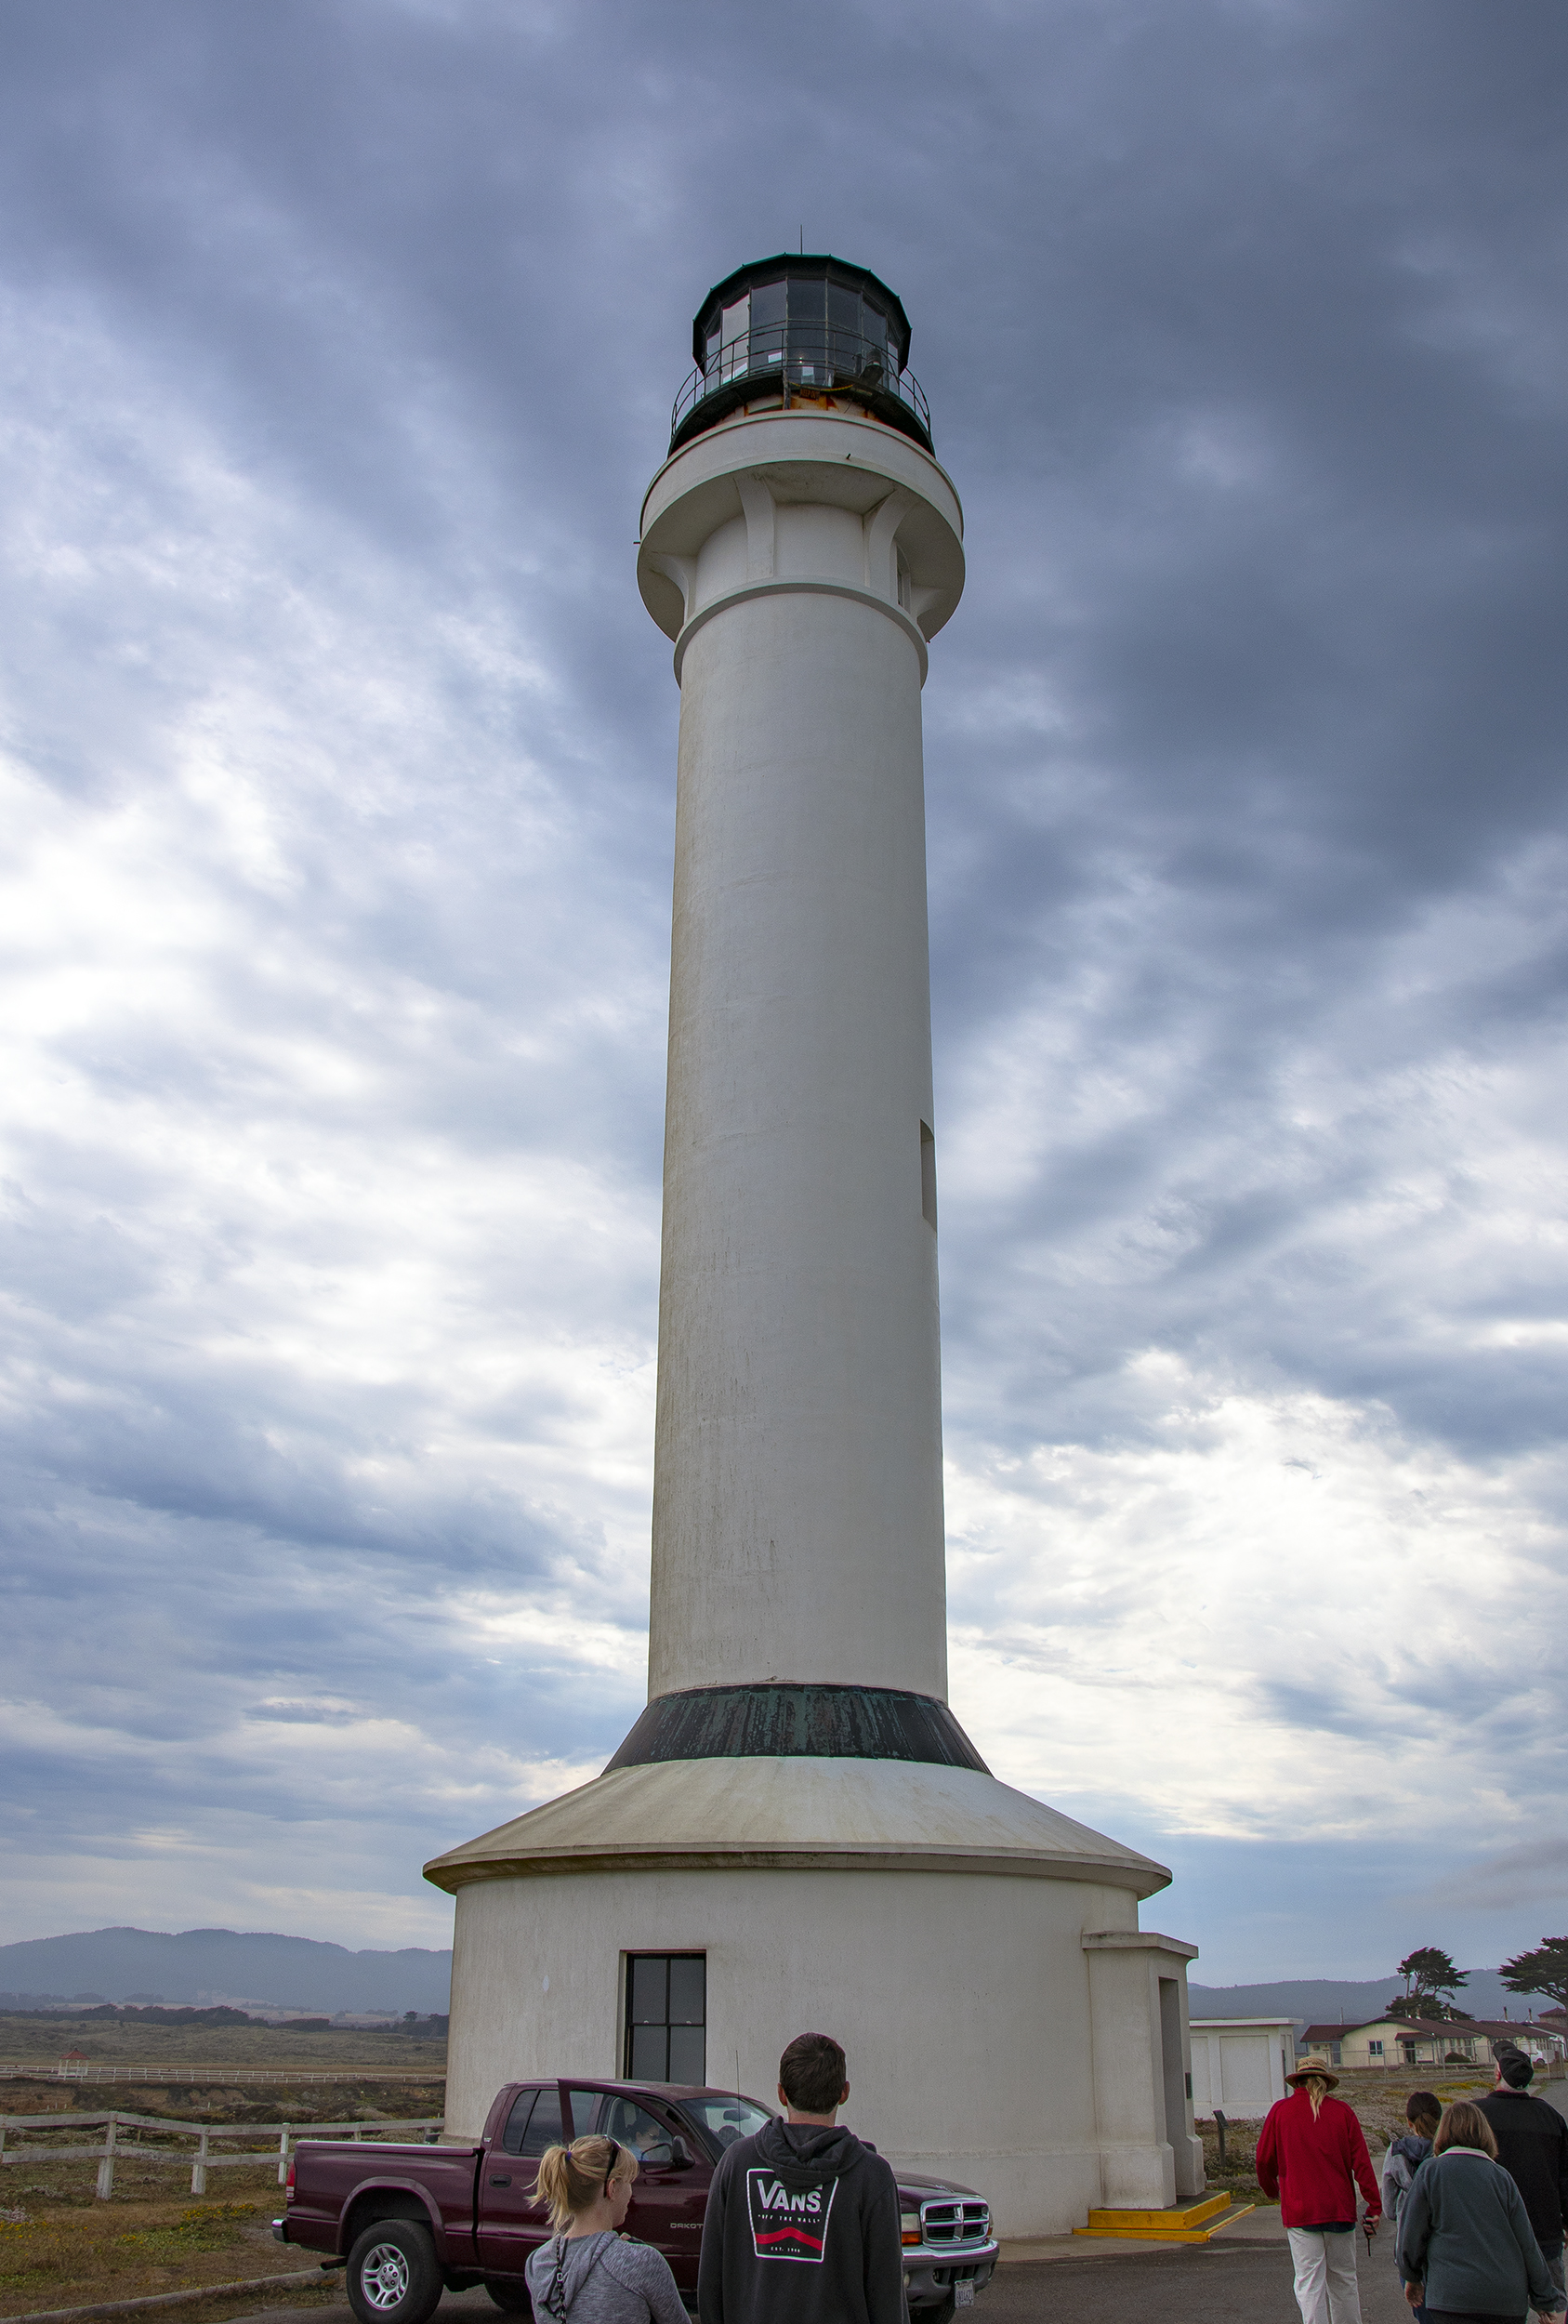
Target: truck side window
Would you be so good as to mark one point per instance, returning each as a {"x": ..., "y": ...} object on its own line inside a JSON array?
[
  {"x": 631, "y": 2125},
  {"x": 532, "y": 2124},
  {"x": 585, "y": 2104},
  {"x": 517, "y": 2121}
]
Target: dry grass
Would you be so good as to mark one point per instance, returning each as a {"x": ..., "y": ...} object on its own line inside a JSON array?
[
  {"x": 60, "y": 2248},
  {"x": 215, "y": 2102},
  {"x": 40, "y": 2041},
  {"x": 1378, "y": 2099}
]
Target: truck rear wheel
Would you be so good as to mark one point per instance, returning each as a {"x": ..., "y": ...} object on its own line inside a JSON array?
[
  {"x": 393, "y": 2276},
  {"x": 510, "y": 2295}
]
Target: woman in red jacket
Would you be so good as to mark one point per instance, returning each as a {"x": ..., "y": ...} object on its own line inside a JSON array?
[{"x": 1310, "y": 2155}]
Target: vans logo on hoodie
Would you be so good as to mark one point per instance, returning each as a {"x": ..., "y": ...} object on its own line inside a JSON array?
[{"x": 788, "y": 2223}]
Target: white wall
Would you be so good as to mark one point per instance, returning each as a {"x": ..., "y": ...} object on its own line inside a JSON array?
[
  {"x": 962, "y": 2001},
  {"x": 797, "y": 1507}
]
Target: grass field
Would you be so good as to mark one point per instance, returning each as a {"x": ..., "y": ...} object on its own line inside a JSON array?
[
  {"x": 62, "y": 2246},
  {"x": 1378, "y": 2099},
  {"x": 104, "y": 2041}
]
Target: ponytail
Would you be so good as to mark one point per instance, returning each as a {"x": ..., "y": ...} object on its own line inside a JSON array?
[{"x": 573, "y": 2177}]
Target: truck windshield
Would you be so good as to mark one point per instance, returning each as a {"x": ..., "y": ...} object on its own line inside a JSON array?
[{"x": 726, "y": 2119}]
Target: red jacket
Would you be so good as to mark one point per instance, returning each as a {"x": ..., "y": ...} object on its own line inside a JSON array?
[{"x": 1308, "y": 2162}]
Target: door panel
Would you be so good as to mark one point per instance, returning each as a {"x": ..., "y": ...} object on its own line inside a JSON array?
[{"x": 667, "y": 2203}]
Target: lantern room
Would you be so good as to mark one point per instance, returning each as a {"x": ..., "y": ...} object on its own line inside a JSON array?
[{"x": 800, "y": 334}]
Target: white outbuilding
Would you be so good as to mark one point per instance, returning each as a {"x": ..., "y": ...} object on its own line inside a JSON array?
[{"x": 1239, "y": 2065}]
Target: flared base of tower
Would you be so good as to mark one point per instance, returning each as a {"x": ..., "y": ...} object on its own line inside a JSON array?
[{"x": 978, "y": 1954}]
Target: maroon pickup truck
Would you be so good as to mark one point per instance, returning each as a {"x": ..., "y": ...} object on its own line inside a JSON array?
[{"x": 411, "y": 2222}]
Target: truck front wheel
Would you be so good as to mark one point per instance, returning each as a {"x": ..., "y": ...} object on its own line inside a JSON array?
[{"x": 393, "y": 2276}]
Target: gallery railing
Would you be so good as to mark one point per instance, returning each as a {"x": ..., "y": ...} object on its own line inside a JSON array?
[{"x": 806, "y": 359}]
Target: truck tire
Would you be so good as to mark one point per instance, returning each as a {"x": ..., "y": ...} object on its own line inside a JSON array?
[
  {"x": 510, "y": 2295},
  {"x": 393, "y": 2275}
]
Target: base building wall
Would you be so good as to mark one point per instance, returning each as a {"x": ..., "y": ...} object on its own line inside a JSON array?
[{"x": 985, "y": 2042}]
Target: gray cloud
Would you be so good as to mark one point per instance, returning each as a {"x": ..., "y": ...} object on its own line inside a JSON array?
[{"x": 341, "y": 342}]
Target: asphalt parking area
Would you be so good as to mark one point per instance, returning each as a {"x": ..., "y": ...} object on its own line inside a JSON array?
[{"x": 1204, "y": 2283}]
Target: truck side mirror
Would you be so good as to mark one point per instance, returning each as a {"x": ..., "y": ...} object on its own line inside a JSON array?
[{"x": 679, "y": 2154}]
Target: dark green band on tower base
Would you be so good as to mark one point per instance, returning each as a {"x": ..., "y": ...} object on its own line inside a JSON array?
[{"x": 783, "y": 1722}]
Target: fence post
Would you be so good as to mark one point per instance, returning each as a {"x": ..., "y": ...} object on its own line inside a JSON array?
[
  {"x": 1221, "y": 2127},
  {"x": 283, "y": 2156},
  {"x": 106, "y": 2167},
  {"x": 199, "y": 2169}
]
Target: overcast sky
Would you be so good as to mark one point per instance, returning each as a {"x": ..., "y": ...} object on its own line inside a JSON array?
[{"x": 338, "y": 343}]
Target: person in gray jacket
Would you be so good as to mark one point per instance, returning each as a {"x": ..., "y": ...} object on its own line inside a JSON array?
[
  {"x": 589, "y": 2272},
  {"x": 1467, "y": 2251},
  {"x": 1423, "y": 2111}
]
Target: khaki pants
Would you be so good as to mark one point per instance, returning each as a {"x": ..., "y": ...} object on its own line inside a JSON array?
[{"x": 1326, "y": 2276}]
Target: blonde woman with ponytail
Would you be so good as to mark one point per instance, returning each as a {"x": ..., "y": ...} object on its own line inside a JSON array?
[
  {"x": 1311, "y": 2156},
  {"x": 589, "y": 2271}
]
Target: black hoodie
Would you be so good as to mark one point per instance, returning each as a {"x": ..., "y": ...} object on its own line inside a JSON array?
[{"x": 801, "y": 2227}]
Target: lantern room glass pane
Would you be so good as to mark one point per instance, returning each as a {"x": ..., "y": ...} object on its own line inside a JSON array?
[{"x": 767, "y": 325}]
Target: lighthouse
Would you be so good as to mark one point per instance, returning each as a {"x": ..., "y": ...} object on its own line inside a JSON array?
[{"x": 796, "y": 1831}]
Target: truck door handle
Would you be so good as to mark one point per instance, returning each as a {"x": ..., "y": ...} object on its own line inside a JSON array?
[{"x": 495, "y": 2182}]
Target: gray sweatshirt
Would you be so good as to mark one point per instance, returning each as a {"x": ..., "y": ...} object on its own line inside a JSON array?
[
  {"x": 605, "y": 2279},
  {"x": 1465, "y": 2233}
]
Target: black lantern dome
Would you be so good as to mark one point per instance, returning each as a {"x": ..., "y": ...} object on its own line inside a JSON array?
[{"x": 801, "y": 332}]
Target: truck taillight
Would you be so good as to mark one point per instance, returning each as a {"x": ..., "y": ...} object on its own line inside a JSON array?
[{"x": 288, "y": 2183}]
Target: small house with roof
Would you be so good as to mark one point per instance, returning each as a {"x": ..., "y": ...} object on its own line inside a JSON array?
[{"x": 1407, "y": 2041}]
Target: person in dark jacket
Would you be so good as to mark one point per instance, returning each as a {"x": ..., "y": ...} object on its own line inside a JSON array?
[
  {"x": 1423, "y": 2111},
  {"x": 1311, "y": 2155},
  {"x": 802, "y": 2220},
  {"x": 1533, "y": 2148},
  {"x": 1467, "y": 2250}
]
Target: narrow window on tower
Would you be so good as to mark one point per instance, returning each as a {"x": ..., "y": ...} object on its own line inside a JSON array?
[
  {"x": 928, "y": 1175},
  {"x": 666, "y": 2017}
]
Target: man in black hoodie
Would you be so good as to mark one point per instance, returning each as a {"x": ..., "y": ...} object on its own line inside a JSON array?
[
  {"x": 802, "y": 2221},
  {"x": 1533, "y": 2148}
]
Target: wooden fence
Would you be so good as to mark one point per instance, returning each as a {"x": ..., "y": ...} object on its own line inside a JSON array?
[{"x": 425, "y": 2131}]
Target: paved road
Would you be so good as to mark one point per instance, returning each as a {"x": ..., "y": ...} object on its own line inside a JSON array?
[{"x": 1205, "y": 2283}]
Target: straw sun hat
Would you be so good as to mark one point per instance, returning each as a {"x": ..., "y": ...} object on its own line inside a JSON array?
[{"x": 1314, "y": 2066}]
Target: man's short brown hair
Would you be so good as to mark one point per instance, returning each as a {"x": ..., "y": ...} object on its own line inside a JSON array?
[{"x": 811, "y": 2073}]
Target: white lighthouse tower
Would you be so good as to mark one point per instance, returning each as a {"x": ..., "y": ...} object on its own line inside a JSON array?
[{"x": 798, "y": 1832}]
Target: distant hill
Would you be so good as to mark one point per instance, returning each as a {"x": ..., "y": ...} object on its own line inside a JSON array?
[
  {"x": 222, "y": 1965},
  {"x": 1321, "y": 2001}
]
